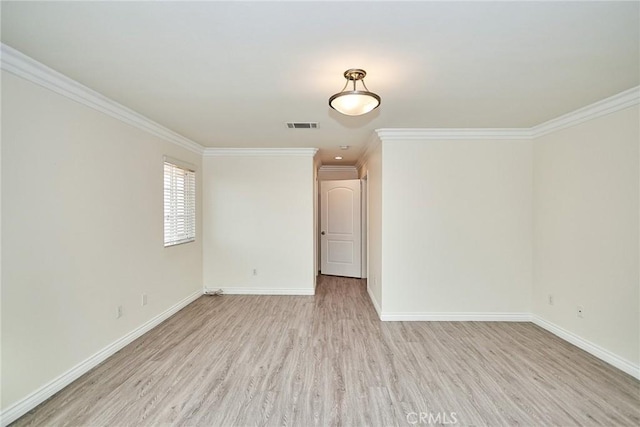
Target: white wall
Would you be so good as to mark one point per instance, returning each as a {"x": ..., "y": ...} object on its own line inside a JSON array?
[
  {"x": 586, "y": 185},
  {"x": 373, "y": 170},
  {"x": 496, "y": 226},
  {"x": 456, "y": 226},
  {"x": 259, "y": 215},
  {"x": 333, "y": 173},
  {"x": 82, "y": 232}
]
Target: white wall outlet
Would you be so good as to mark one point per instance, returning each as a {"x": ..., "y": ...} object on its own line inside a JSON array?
[
  {"x": 255, "y": 271},
  {"x": 119, "y": 312},
  {"x": 144, "y": 299},
  {"x": 550, "y": 299},
  {"x": 580, "y": 311}
]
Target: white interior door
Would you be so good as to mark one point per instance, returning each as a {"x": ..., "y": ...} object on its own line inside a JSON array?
[{"x": 340, "y": 230}]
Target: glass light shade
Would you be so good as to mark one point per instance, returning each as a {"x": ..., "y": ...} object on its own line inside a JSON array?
[{"x": 354, "y": 102}]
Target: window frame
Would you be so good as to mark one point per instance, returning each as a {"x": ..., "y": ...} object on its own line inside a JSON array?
[{"x": 178, "y": 228}]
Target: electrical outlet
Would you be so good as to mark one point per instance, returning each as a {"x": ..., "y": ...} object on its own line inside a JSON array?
[
  {"x": 119, "y": 312},
  {"x": 144, "y": 299},
  {"x": 551, "y": 299},
  {"x": 580, "y": 311},
  {"x": 255, "y": 271}
]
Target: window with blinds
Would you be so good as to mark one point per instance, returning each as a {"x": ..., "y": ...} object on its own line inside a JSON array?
[{"x": 179, "y": 204}]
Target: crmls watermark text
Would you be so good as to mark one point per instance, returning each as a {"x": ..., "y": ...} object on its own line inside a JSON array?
[{"x": 442, "y": 418}]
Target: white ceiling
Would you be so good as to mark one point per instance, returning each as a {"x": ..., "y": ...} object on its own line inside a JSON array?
[{"x": 230, "y": 74}]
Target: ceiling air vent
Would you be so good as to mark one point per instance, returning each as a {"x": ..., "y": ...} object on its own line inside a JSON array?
[{"x": 302, "y": 125}]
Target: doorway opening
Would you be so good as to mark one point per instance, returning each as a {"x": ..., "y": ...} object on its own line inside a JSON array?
[{"x": 342, "y": 222}]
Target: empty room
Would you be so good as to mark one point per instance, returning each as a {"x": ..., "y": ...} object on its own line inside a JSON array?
[{"x": 356, "y": 213}]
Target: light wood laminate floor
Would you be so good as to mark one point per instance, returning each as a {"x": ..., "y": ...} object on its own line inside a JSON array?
[{"x": 327, "y": 360}]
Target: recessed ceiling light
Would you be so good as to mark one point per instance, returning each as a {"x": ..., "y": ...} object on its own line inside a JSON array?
[
  {"x": 344, "y": 147},
  {"x": 338, "y": 157}
]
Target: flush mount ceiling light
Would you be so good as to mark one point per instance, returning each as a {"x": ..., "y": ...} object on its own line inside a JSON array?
[{"x": 354, "y": 102}]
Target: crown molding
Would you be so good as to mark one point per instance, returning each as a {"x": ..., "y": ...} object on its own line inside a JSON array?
[
  {"x": 295, "y": 152},
  {"x": 371, "y": 144},
  {"x": 452, "y": 133},
  {"x": 337, "y": 168},
  {"x": 23, "y": 66},
  {"x": 620, "y": 101}
]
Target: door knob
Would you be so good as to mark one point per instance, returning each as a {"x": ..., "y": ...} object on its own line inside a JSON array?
[{"x": 322, "y": 233}]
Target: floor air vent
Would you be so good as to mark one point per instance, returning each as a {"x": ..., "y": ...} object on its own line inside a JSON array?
[{"x": 302, "y": 125}]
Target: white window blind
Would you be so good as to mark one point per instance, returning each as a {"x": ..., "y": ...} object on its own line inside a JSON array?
[{"x": 179, "y": 204}]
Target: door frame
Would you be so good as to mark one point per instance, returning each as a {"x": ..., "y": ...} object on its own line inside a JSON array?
[
  {"x": 364, "y": 224},
  {"x": 363, "y": 228}
]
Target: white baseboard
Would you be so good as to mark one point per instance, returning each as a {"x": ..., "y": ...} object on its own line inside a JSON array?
[
  {"x": 455, "y": 317},
  {"x": 594, "y": 349},
  {"x": 26, "y": 404},
  {"x": 375, "y": 303},
  {"x": 262, "y": 291},
  {"x": 599, "y": 352}
]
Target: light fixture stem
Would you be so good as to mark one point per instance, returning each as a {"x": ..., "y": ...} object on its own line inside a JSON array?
[{"x": 365, "y": 86}]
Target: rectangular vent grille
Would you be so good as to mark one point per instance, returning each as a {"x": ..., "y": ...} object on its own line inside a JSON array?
[{"x": 302, "y": 125}]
